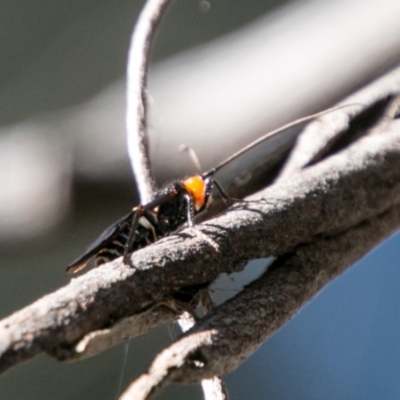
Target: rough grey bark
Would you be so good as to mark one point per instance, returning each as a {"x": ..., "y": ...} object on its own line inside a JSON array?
[
  {"x": 356, "y": 186},
  {"x": 227, "y": 336}
]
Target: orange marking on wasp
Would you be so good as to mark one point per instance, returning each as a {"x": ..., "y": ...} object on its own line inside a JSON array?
[{"x": 196, "y": 187}]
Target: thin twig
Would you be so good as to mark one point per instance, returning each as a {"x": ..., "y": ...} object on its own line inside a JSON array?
[
  {"x": 136, "y": 121},
  {"x": 213, "y": 388},
  {"x": 138, "y": 147},
  {"x": 138, "y": 62}
]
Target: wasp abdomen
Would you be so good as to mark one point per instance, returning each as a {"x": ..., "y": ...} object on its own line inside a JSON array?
[
  {"x": 145, "y": 234},
  {"x": 114, "y": 250}
]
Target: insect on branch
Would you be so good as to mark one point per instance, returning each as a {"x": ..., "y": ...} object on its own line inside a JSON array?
[
  {"x": 335, "y": 189},
  {"x": 317, "y": 223}
]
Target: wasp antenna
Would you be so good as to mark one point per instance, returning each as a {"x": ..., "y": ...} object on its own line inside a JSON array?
[
  {"x": 209, "y": 173},
  {"x": 273, "y": 133},
  {"x": 192, "y": 155}
]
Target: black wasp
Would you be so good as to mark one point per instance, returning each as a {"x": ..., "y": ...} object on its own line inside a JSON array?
[{"x": 170, "y": 209}]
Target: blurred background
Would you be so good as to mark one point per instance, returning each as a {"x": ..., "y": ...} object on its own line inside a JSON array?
[{"x": 224, "y": 72}]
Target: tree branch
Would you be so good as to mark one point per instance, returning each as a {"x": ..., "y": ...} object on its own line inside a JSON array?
[
  {"x": 334, "y": 131},
  {"x": 359, "y": 183},
  {"x": 222, "y": 340}
]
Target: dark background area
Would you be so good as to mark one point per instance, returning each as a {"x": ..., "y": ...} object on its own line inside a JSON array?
[{"x": 65, "y": 176}]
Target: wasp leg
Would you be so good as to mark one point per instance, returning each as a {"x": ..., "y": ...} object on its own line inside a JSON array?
[
  {"x": 190, "y": 219},
  {"x": 132, "y": 233},
  {"x": 190, "y": 210},
  {"x": 227, "y": 200}
]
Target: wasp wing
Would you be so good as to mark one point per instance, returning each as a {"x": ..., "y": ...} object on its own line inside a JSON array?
[{"x": 106, "y": 237}]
